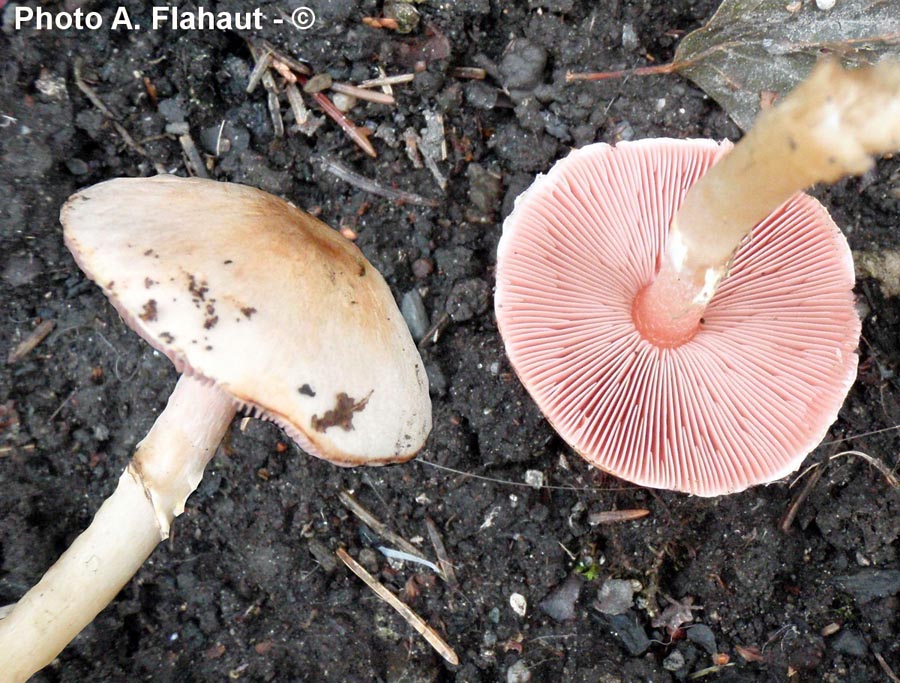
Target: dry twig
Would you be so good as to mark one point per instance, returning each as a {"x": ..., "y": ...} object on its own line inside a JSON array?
[
  {"x": 892, "y": 480},
  {"x": 120, "y": 129},
  {"x": 616, "y": 516},
  {"x": 413, "y": 619},
  {"x": 27, "y": 345},
  {"x": 367, "y": 518},
  {"x": 369, "y": 185},
  {"x": 801, "y": 496},
  {"x": 363, "y": 93},
  {"x": 387, "y": 80},
  {"x": 440, "y": 551},
  {"x": 884, "y": 667},
  {"x": 434, "y": 332}
]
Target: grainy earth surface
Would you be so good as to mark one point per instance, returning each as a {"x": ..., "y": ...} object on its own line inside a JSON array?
[{"x": 237, "y": 594}]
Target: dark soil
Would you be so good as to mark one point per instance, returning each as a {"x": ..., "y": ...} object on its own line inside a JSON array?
[{"x": 237, "y": 594}]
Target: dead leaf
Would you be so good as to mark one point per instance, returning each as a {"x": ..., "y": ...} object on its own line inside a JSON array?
[{"x": 753, "y": 46}]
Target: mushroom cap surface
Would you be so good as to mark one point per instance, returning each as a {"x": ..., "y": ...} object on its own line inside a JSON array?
[
  {"x": 743, "y": 401},
  {"x": 272, "y": 305}
]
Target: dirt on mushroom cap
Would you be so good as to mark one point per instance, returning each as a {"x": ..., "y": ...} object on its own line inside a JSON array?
[{"x": 265, "y": 300}]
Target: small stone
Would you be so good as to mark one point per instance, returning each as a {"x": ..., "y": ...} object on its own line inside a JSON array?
[
  {"x": 518, "y": 673},
  {"x": 77, "y": 166},
  {"x": 560, "y": 603},
  {"x": 825, "y": 4},
  {"x": 702, "y": 635},
  {"x": 830, "y": 629},
  {"x": 534, "y": 478},
  {"x": 674, "y": 662},
  {"x": 615, "y": 596},
  {"x": 494, "y": 615},
  {"x": 222, "y": 140},
  {"x": 629, "y": 37},
  {"x": 870, "y": 584},
  {"x": 626, "y": 628},
  {"x": 413, "y": 309},
  {"x": 422, "y": 268},
  {"x": 850, "y": 643},
  {"x": 54, "y": 87},
  {"x": 343, "y": 101},
  {"x": 437, "y": 380},
  {"x": 518, "y": 603}
]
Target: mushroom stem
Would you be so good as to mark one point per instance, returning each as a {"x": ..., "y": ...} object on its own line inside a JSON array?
[
  {"x": 826, "y": 128},
  {"x": 167, "y": 466}
]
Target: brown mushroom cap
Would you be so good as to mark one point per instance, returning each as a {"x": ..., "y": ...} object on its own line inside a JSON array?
[
  {"x": 739, "y": 402},
  {"x": 272, "y": 305}
]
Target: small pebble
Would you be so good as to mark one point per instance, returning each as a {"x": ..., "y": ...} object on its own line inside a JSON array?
[
  {"x": 830, "y": 629},
  {"x": 702, "y": 635},
  {"x": 560, "y": 603},
  {"x": 534, "y": 478},
  {"x": 413, "y": 309},
  {"x": 870, "y": 584},
  {"x": 615, "y": 596},
  {"x": 518, "y": 673},
  {"x": 422, "y": 268},
  {"x": 674, "y": 662},
  {"x": 629, "y": 632},
  {"x": 343, "y": 102},
  {"x": 77, "y": 166},
  {"x": 518, "y": 603},
  {"x": 825, "y": 4},
  {"x": 629, "y": 38}
]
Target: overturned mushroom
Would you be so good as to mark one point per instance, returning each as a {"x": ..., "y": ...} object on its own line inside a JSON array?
[
  {"x": 610, "y": 304},
  {"x": 262, "y": 308}
]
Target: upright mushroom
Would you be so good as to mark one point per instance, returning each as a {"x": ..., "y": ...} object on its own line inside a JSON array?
[
  {"x": 683, "y": 316},
  {"x": 260, "y": 307}
]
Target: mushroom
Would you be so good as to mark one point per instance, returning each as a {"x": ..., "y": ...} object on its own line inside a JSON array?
[
  {"x": 261, "y": 307},
  {"x": 663, "y": 342}
]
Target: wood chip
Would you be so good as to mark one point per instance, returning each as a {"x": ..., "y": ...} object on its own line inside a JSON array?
[
  {"x": 413, "y": 619},
  {"x": 27, "y": 345}
]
